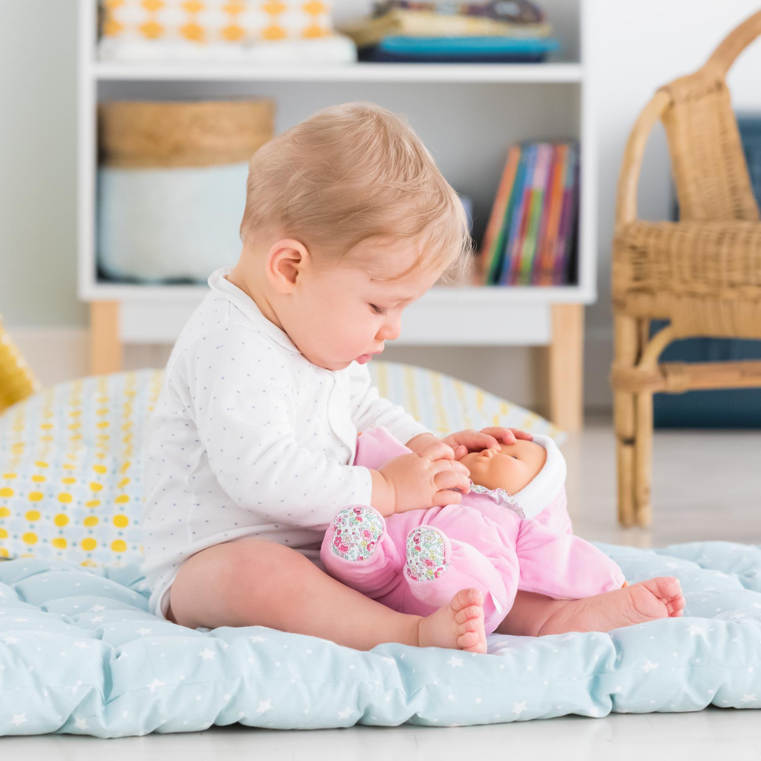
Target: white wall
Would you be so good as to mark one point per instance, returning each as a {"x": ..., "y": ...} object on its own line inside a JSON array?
[
  {"x": 38, "y": 69},
  {"x": 635, "y": 48}
]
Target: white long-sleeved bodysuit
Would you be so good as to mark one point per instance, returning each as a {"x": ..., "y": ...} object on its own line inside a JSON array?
[{"x": 250, "y": 439}]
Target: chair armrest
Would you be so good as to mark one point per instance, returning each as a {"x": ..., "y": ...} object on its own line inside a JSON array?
[{"x": 628, "y": 179}]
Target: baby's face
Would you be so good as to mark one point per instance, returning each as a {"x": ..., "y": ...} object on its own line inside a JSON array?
[
  {"x": 511, "y": 467},
  {"x": 347, "y": 310}
]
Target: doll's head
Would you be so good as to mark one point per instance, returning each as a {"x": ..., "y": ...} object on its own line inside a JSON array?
[
  {"x": 509, "y": 467},
  {"x": 533, "y": 472}
]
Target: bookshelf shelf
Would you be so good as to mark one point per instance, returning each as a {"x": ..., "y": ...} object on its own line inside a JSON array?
[
  {"x": 492, "y": 106},
  {"x": 356, "y": 72}
]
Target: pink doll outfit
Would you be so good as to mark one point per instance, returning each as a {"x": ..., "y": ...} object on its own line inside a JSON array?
[{"x": 415, "y": 562}]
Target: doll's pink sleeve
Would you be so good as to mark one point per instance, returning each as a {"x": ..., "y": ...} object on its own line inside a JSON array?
[
  {"x": 555, "y": 516},
  {"x": 376, "y": 446}
]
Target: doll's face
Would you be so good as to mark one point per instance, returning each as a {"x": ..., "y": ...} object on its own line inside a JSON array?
[{"x": 511, "y": 467}]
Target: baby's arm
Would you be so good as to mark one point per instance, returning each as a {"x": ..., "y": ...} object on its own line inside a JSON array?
[{"x": 242, "y": 397}]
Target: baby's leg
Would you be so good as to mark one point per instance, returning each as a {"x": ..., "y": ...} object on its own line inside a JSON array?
[
  {"x": 534, "y": 615},
  {"x": 258, "y": 583},
  {"x": 358, "y": 552},
  {"x": 563, "y": 565}
]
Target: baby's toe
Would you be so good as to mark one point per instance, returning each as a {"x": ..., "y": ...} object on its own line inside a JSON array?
[
  {"x": 669, "y": 587},
  {"x": 468, "y": 640},
  {"x": 466, "y": 614},
  {"x": 466, "y": 598},
  {"x": 676, "y": 607},
  {"x": 473, "y": 625}
]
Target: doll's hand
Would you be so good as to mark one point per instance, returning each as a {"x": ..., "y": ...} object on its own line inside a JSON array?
[{"x": 487, "y": 438}]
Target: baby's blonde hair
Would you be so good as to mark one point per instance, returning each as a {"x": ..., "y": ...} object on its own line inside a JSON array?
[{"x": 353, "y": 172}]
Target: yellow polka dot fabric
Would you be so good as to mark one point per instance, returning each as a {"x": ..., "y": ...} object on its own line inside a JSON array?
[
  {"x": 71, "y": 457},
  {"x": 203, "y": 22},
  {"x": 70, "y": 470}
]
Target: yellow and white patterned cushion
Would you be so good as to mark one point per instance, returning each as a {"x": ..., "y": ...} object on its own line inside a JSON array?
[{"x": 71, "y": 456}]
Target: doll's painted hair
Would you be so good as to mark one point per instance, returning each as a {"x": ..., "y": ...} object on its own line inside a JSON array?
[{"x": 353, "y": 172}]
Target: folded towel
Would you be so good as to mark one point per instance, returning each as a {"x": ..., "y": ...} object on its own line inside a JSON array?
[
  {"x": 334, "y": 49},
  {"x": 203, "y": 22}
]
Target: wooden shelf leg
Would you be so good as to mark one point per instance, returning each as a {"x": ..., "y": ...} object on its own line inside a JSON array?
[
  {"x": 105, "y": 338},
  {"x": 566, "y": 366}
]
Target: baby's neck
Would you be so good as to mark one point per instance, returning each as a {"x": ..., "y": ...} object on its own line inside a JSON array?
[{"x": 256, "y": 291}]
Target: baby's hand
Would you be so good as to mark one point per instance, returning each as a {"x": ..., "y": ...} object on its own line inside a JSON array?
[
  {"x": 426, "y": 478},
  {"x": 487, "y": 438}
]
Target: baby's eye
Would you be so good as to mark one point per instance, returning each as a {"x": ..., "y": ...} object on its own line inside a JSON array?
[{"x": 377, "y": 310}]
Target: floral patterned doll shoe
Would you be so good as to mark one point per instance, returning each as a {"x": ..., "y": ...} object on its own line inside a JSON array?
[
  {"x": 356, "y": 531},
  {"x": 427, "y": 553}
]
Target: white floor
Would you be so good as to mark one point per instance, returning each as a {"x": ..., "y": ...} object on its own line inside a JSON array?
[{"x": 707, "y": 485}]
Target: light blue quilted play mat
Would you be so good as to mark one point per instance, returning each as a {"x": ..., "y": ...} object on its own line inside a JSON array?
[{"x": 80, "y": 654}]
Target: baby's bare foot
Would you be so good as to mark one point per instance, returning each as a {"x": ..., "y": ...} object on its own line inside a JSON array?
[
  {"x": 635, "y": 604},
  {"x": 459, "y": 625}
]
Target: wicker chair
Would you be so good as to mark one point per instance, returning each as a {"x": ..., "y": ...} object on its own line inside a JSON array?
[{"x": 702, "y": 274}]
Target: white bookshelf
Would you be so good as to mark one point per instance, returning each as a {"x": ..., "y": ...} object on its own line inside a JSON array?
[{"x": 498, "y": 103}]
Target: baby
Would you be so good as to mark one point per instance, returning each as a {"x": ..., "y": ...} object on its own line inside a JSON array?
[
  {"x": 497, "y": 543},
  {"x": 252, "y": 441}
]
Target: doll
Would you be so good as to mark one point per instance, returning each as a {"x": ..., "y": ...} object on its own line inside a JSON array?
[{"x": 510, "y": 532}]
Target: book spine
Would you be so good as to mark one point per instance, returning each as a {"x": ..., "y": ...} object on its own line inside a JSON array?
[
  {"x": 556, "y": 208},
  {"x": 543, "y": 156},
  {"x": 533, "y": 275},
  {"x": 497, "y": 218},
  {"x": 499, "y": 273},
  {"x": 519, "y": 221},
  {"x": 566, "y": 218}
]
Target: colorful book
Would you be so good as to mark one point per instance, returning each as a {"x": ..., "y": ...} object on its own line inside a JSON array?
[
  {"x": 515, "y": 195},
  {"x": 566, "y": 218},
  {"x": 568, "y": 229},
  {"x": 533, "y": 214},
  {"x": 546, "y": 268},
  {"x": 516, "y": 253},
  {"x": 536, "y": 267},
  {"x": 518, "y": 219},
  {"x": 498, "y": 211}
]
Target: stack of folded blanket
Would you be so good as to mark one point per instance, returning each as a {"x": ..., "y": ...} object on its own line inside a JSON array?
[
  {"x": 453, "y": 32},
  {"x": 280, "y": 30}
]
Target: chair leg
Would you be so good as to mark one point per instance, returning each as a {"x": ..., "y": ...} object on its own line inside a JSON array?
[
  {"x": 643, "y": 460},
  {"x": 626, "y": 346}
]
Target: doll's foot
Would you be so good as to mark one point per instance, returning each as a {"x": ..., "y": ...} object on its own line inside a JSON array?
[
  {"x": 458, "y": 625},
  {"x": 636, "y": 604},
  {"x": 356, "y": 531}
]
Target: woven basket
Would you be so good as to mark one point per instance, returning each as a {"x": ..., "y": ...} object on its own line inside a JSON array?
[{"x": 136, "y": 134}]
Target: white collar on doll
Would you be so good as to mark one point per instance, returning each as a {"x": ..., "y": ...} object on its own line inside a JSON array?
[{"x": 500, "y": 496}]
